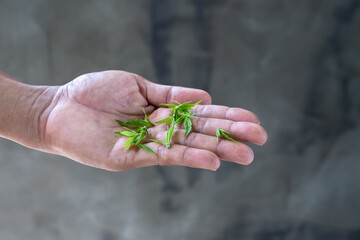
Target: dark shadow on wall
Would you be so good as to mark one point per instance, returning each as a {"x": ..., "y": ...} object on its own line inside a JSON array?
[
  {"x": 163, "y": 16},
  {"x": 325, "y": 122}
]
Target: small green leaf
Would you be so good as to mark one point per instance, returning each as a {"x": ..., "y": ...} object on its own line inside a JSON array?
[
  {"x": 169, "y": 134},
  {"x": 218, "y": 134},
  {"x": 130, "y": 130},
  {"x": 229, "y": 138},
  {"x": 176, "y": 102},
  {"x": 188, "y": 126},
  {"x": 181, "y": 112},
  {"x": 176, "y": 114},
  {"x": 181, "y": 104},
  {"x": 166, "y": 120},
  {"x": 148, "y": 120},
  {"x": 129, "y": 142},
  {"x": 168, "y": 105},
  {"x": 125, "y": 133},
  {"x": 121, "y": 123},
  {"x": 189, "y": 114},
  {"x": 190, "y": 106},
  {"x": 223, "y": 131},
  {"x": 155, "y": 140},
  {"x": 136, "y": 122},
  {"x": 146, "y": 117},
  {"x": 141, "y": 136},
  {"x": 224, "y": 134},
  {"x": 146, "y": 148}
]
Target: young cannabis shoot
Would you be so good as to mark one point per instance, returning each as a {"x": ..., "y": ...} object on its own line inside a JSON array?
[
  {"x": 136, "y": 136},
  {"x": 137, "y": 122},
  {"x": 181, "y": 113},
  {"x": 222, "y": 132}
]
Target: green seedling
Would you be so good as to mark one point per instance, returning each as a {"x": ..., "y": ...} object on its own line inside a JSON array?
[
  {"x": 180, "y": 113},
  {"x": 221, "y": 132},
  {"x": 137, "y": 122},
  {"x": 136, "y": 136}
]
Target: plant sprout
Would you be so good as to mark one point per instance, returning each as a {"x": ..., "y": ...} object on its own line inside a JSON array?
[
  {"x": 222, "y": 132},
  {"x": 136, "y": 137},
  {"x": 181, "y": 113}
]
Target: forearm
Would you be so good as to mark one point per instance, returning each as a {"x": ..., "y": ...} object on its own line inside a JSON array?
[{"x": 23, "y": 112}]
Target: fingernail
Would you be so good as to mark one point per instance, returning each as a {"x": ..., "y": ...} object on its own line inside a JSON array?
[{"x": 216, "y": 165}]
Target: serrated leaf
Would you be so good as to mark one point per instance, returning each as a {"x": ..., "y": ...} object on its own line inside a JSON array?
[
  {"x": 146, "y": 148},
  {"x": 133, "y": 123},
  {"x": 188, "y": 126},
  {"x": 129, "y": 142},
  {"x": 186, "y": 107},
  {"x": 190, "y": 106},
  {"x": 166, "y": 120},
  {"x": 125, "y": 133},
  {"x": 136, "y": 122}
]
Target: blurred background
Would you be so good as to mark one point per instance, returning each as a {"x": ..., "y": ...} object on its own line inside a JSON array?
[{"x": 294, "y": 63}]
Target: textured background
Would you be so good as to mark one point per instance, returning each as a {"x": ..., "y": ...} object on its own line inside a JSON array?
[{"x": 294, "y": 63}]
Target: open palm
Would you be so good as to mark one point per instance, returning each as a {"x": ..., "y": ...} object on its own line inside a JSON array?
[{"x": 81, "y": 124}]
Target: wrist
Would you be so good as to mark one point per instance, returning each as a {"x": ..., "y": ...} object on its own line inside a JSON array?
[
  {"x": 44, "y": 99},
  {"x": 24, "y": 111}
]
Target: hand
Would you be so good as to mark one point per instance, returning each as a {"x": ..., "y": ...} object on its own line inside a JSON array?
[{"x": 81, "y": 124}]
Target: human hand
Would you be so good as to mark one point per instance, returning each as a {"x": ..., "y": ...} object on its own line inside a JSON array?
[{"x": 81, "y": 124}]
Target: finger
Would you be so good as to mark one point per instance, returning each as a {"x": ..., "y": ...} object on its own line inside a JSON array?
[
  {"x": 175, "y": 155},
  {"x": 160, "y": 114},
  {"x": 241, "y": 131},
  {"x": 158, "y": 94},
  {"x": 224, "y": 112},
  {"x": 224, "y": 149}
]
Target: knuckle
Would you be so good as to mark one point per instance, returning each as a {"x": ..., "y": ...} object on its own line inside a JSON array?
[
  {"x": 162, "y": 160},
  {"x": 201, "y": 124},
  {"x": 227, "y": 110},
  {"x": 169, "y": 94},
  {"x": 186, "y": 154},
  {"x": 189, "y": 140},
  {"x": 203, "y": 110}
]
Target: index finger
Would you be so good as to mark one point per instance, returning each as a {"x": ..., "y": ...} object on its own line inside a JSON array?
[
  {"x": 223, "y": 112},
  {"x": 157, "y": 94}
]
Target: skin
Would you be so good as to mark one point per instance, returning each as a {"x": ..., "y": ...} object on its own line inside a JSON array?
[{"x": 77, "y": 120}]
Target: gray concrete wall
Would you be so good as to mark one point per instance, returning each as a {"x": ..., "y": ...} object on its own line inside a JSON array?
[{"x": 294, "y": 63}]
